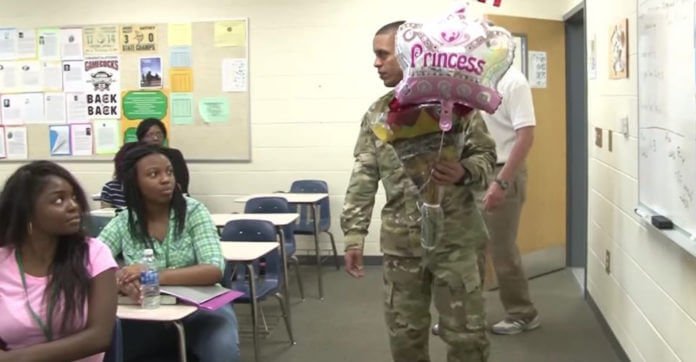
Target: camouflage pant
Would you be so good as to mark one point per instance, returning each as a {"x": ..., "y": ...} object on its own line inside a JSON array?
[{"x": 409, "y": 287}]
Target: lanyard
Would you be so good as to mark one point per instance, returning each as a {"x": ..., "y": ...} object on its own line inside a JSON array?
[{"x": 46, "y": 327}]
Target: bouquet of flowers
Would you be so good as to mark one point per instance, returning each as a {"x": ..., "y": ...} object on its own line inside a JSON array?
[{"x": 451, "y": 67}]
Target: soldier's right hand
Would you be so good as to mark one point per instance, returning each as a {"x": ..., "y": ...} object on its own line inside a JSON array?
[{"x": 354, "y": 263}]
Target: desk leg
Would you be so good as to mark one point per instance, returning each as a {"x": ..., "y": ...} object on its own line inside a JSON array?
[
  {"x": 254, "y": 310},
  {"x": 284, "y": 258},
  {"x": 315, "y": 217},
  {"x": 182, "y": 340}
]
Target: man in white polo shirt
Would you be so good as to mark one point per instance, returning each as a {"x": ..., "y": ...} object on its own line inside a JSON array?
[{"x": 512, "y": 127}]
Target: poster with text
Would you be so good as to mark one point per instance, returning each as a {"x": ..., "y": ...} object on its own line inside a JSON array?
[
  {"x": 100, "y": 39},
  {"x": 139, "y": 38},
  {"x": 103, "y": 91}
]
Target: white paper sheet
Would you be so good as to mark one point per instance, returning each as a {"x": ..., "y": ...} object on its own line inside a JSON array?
[
  {"x": 49, "y": 46},
  {"x": 234, "y": 75},
  {"x": 71, "y": 44},
  {"x": 30, "y": 78},
  {"x": 106, "y": 137},
  {"x": 76, "y": 107},
  {"x": 8, "y": 43},
  {"x": 11, "y": 109},
  {"x": 8, "y": 77},
  {"x": 3, "y": 149},
  {"x": 16, "y": 143},
  {"x": 81, "y": 139},
  {"x": 54, "y": 105},
  {"x": 52, "y": 73},
  {"x": 59, "y": 140},
  {"x": 26, "y": 43},
  {"x": 32, "y": 108},
  {"x": 538, "y": 71},
  {"x": 74, "y": 76}
]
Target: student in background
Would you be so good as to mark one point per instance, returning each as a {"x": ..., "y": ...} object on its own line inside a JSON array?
[
  {"x": 112, "y": 192},
  {"x": 57, "y": 287},
  {"x": 187, "y": 250},
  {"x": 152, "y": 131}
]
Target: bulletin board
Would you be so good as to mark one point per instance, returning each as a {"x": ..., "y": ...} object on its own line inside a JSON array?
[{"x": 199, "y": 88}]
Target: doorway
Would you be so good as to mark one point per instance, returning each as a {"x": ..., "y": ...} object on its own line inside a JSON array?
[{"x": 577, "y": 152}]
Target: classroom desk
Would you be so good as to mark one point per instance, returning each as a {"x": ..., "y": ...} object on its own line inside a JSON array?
[
  {"x": 279, "y": 220},
  {"x": 165, "y": 313},
  {"x": 247, "y": 252},
  {"x": 106, "y": 212},
  {"x": 300, "y": 198}
]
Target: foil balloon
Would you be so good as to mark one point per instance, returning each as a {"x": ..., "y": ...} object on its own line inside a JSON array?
[{"x": 456, "y": 60}]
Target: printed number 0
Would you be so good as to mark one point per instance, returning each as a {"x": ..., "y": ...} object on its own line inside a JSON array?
[{"x": 151, "y": 37}]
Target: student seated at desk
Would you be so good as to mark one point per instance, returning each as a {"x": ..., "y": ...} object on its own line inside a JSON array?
[
  {"x": 152, "y": 131},
  {"x": 187, "y": 251},
  {"x": 57, "y": 287},
  {"x": 112, "y": 192}
]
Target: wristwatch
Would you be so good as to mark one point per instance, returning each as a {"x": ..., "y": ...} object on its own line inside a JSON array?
[{"x": 503, "y": 184}]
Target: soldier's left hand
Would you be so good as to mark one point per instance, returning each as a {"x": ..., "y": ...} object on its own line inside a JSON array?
[{"x": 448, "y": 172}]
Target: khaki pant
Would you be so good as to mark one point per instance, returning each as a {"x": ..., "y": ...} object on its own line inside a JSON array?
[
  {"x": 502, "y": 225},
  {"x": 409, "y": 287}
]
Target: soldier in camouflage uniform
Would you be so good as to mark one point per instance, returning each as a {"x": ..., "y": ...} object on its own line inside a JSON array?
[{"x": 412, "y": 277}]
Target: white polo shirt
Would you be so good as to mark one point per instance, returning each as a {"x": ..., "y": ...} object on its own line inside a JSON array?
[{"x": 515, "y": 112}]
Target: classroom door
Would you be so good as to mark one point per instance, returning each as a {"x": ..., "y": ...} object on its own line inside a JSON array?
[{"x": 542, "y": 233}]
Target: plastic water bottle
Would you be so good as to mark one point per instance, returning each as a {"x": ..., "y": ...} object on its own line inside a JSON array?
[{"x": 149, "y": 281}]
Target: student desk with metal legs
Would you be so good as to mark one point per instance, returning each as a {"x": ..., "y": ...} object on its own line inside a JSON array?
[
  {"x": 247, "y": 252},
  {"x": 309, "y": 199}
]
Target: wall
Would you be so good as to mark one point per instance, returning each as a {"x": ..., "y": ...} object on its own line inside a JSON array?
[
  {"x": 647, "y": 298},
  {"x": 311, "y": 80}
]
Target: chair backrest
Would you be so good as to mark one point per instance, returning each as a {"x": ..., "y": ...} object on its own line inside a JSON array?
[
  {"x": 272, "y": 205},
  {"x": 253, "y": 230},
  {"x": 305, "y": 223},
  {"x": 115, "y": 351},
  {"x": 95, "y": 223}
]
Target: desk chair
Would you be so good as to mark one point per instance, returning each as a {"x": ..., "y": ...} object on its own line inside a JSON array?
[
  {"x": 278, "y": 205},
  {"x": 94, "y": 224},
  {"x": 305, "y": 225},
  {"x": 270, "y": 284}
]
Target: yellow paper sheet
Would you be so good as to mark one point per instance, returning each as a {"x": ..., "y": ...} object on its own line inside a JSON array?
[
  {"x": 181, "y": 79},
  {"x": 179, "y": 34},
  {"x": 231, "y": 33}
]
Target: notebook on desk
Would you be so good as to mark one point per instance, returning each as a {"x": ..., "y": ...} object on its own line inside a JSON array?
[{"x": 210, "y": 297}]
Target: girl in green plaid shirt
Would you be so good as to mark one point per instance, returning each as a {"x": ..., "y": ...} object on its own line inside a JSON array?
[{"x": 187, "y": 249}]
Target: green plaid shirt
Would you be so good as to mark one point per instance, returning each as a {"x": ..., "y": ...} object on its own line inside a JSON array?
[{"x": 199, "y": 243}]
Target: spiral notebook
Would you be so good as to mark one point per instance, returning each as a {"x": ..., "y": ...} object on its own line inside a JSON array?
[{"x": 210, "y": 297}]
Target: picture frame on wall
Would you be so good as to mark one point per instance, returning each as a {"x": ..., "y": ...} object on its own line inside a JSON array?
[
  {"x": 618, "y": 50},
  {"x": 521, "y": 53}
]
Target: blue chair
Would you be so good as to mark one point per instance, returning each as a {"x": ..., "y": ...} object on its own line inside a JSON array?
[
  {"x": 94, "y": 224},
  {"x": 305, "y": 225},
  {"x": 115, "y": 351},
  {"x": 278, "y": 205},
  {"x": 270, "y": 284}
]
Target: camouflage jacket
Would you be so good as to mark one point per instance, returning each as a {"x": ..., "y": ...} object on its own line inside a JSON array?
[{"x": 400, "y": 231}]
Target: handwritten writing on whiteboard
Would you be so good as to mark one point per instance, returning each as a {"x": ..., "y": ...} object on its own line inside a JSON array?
[{"x": 667, "y": 104}]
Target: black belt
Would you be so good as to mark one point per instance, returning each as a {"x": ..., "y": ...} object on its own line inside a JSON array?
[{"x": 500, "y": 164}]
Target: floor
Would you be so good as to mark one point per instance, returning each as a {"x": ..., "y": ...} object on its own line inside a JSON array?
[{"x": 349, "y": 326}]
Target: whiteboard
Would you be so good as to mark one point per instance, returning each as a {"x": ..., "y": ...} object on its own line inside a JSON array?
[{"x": 667, "y": 110}]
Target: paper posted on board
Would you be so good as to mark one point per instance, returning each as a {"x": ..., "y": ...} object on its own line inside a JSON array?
[{"x": 16, "y": 143}]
